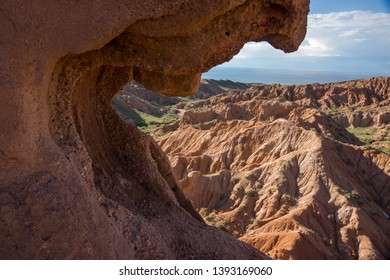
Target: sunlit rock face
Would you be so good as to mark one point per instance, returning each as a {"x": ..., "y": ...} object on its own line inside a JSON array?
[{"x": 75, "y": 180}]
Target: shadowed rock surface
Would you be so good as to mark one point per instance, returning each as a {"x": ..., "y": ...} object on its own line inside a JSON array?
[
  {"x": 274, "y": 166},
  {"x": 76, "y": 181}
]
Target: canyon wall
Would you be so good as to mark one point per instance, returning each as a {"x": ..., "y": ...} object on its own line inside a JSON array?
[{"x": 75, "y": 180}]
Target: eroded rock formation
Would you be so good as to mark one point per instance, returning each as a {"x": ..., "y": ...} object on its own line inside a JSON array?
[
  {"x": 75, "y": 180},
  {"x": 271, "y": 166}
]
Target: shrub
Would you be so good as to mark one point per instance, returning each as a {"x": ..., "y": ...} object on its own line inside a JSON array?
[
  {"x": 281, "y": 182},
  {"x": 242, "y": 163},
  {"x": 289, "y": 199},
  {"x": 216, "y": 221},
  {"x": 252, "y": 192},
  {"x": 331, "y": 218},
  {"x": 353, "y": 195},
  {"x": 204, "y": 211},
  {"x": 282, "y": 211},
  {"x": 285, "y": 166},
  {"x": 235, "y": 181}
]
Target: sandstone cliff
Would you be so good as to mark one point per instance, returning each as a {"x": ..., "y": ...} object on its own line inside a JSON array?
[
  {"x": 272, "y": 168},
  {"x": 75, "y": 180}
]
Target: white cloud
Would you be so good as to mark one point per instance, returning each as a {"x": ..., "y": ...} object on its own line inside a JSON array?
[
  {"x": 355, "y": 34},
  {"x": 347, "y": 33},
  {"x": 316, "y": 47},
  {"x": 350, "y": 33}
]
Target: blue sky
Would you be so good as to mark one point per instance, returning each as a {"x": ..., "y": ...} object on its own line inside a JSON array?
[
  {"x": 328, "y": 6},
  {"x": 342, "y": 36}
]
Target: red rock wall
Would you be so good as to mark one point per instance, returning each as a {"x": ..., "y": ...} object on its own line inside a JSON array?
[{"x": 75, "y": 180}]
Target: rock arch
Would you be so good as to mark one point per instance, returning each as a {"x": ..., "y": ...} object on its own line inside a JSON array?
[{"x": 75, "y": 180}]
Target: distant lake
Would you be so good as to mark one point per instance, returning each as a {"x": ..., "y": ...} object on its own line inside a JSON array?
[{"x": 274, "y": 76}]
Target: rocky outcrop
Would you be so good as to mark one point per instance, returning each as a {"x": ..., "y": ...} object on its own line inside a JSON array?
[
  {"x": 75, "y": 180},
  {"x": 360, "y": 93},
  {"x": 377, "y": 117},
  {"x": 301, "y": 186}
]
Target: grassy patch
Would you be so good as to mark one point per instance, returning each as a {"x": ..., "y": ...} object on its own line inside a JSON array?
[
  {"x": 385, "y": 149},
  {"x": 368, "y": 135},
  {"x": 365, "y": 134},
  {"x": 335, "y": 111},
  {"x": 144, "y": 121},
  {"x": 153, "y": 122}
]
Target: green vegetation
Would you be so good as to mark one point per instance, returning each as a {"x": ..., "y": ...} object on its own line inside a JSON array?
[
  {"x": 204, "y": 211},
  {"x": 353, "y": 195},
  {"x": 235, "y": 181},
  {"x": 153, "y": 122},
  {"x": 197, "y": 126},
  {"x": 289, "y": 199},
  {"x": 285, "y": 166},
  {"x": 335, "y": 111},
  {"x": 259, "y": 222},
  {"x": 146, "y": 122},
  {"x": 365, "y": 134},
  {"x": 331, "y": 218},
  {"x": 252, "y": 192},
  {"x": 282, "y": 211},
  {"x": 242, "y": 163},
  {"x": 214, "y": 220},
  {"x": 385, "y": 149},
  {"x": 370, "y": 138},
  {"x": 158, "y": 110},
  {"x": 368, "y": 135},
  {"x": 239, "y": 191},
  {"x": 281, "y": 182}
]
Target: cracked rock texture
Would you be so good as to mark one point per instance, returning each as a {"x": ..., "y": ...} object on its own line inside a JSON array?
[{"x": 76, "y": 182}]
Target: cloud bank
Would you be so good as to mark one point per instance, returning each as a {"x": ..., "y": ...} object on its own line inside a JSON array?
[{"x": 344, "y": 41}]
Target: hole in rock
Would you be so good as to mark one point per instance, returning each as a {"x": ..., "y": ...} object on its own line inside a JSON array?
[{"x": 209, "y": 186}]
